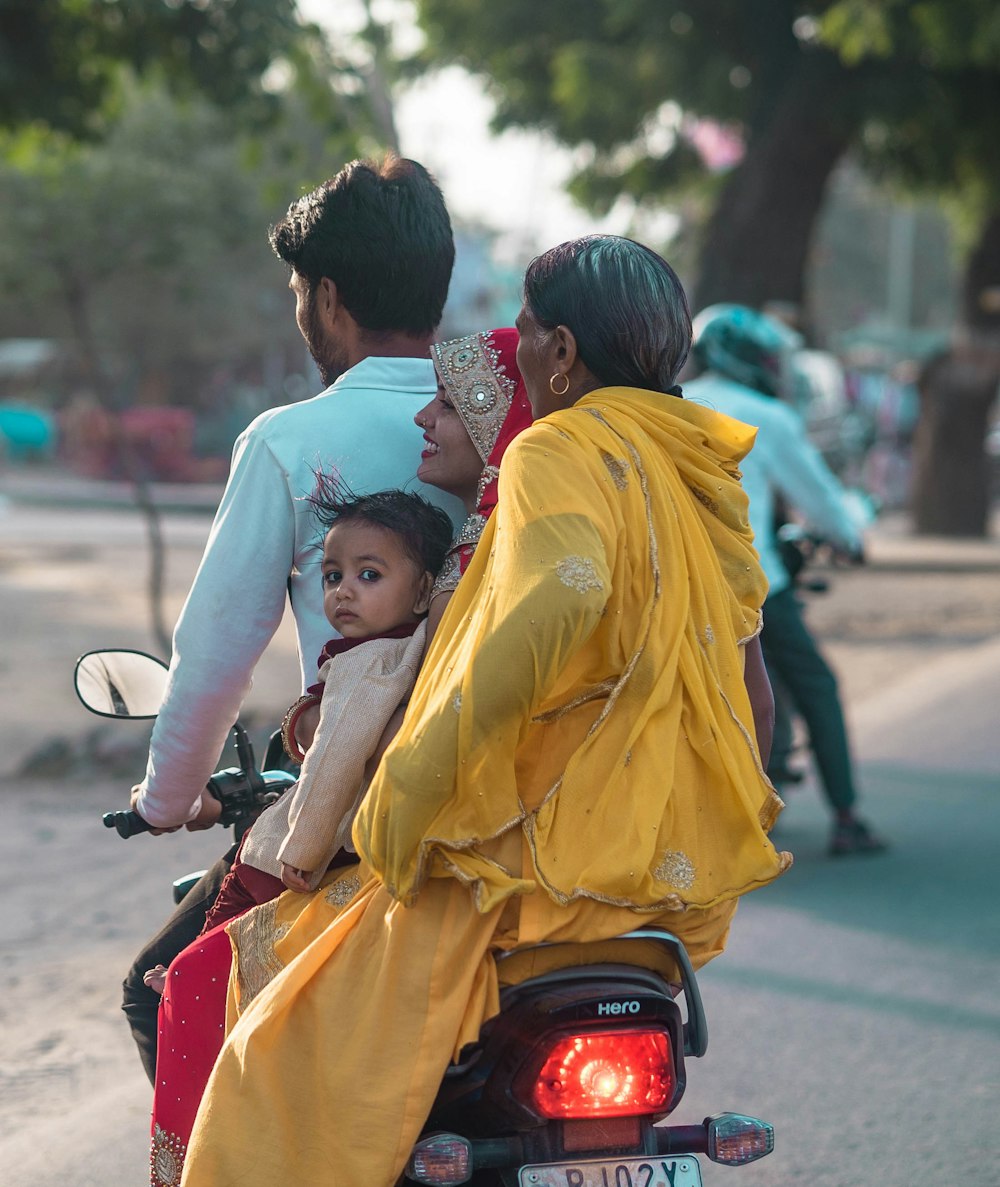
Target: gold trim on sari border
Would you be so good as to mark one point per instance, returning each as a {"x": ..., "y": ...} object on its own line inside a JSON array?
[
  {"x": 706, "y": 500},
  {"x": 596, "y": 693},
  {"x": 618, "y": 469}
]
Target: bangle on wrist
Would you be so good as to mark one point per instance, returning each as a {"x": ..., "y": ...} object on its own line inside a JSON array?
[{"x": 288, "y": 739}]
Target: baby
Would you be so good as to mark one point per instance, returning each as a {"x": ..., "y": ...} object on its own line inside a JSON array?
[
  {"x": 380, "y": 557},
  {"x": 381, "y": 553}
]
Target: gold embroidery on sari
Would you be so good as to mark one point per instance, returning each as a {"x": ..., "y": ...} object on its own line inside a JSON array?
[
  {"x": 579, "y": 573},
  {"x": 166, "y": 1158},
  {"x": 676, "y": 869},
  {"x": 340, "y": 893},
  {"x": 254, "y": 935}
]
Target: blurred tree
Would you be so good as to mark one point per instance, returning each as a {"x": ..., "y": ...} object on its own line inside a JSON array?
[
  {"x": 733, "y": 99},
  {"x": 146, "y": 250},
  {"x": 946, "y": 144},
  {"x": 651, "y": 91},
  {"x": 59, "y": 58},
  {"x": 136, "y": 211}
]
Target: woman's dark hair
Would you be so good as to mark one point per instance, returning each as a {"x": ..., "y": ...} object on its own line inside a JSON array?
[
  {"x": 380, "y": 231},
  {"x": 424, "y": 530},
  {"x": 623, "y": 302}
]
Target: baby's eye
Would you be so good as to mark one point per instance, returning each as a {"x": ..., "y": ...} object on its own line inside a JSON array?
[
  {"x": 332, "y": 577},
  {"x": 370, "y": 575}
]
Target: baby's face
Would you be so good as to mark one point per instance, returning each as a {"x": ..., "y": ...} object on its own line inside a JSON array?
[{"x": 370, "y": 584}]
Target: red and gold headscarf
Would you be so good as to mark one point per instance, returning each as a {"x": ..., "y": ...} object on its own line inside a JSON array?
[{"x": 479, "y": 373}]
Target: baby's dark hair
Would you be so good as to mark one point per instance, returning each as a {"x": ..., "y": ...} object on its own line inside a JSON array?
[{"x": 424, "y": 530}]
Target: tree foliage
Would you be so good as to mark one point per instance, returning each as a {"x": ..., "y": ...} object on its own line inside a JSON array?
[
  {"x": 59, "y": 58},
  {"x": 147, "y": 249},
  {"x": 912, "y": 86},
  {"x": 627, "y": 80}
]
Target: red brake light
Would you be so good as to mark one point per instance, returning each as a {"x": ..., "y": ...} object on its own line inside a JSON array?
[{"x": 602, "y": 1073}]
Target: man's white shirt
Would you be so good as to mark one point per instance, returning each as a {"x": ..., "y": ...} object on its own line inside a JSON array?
[{"x": 266, "y": 545}]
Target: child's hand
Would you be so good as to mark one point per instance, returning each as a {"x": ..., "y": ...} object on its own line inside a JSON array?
[
  {"x": 296, "y": 879},
  {"x": 155, "y": 978}
]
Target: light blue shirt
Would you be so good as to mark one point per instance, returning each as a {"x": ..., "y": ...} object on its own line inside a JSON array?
[
  {"x": 266, "y": 545},
  {"x": 782, "y": 461}
]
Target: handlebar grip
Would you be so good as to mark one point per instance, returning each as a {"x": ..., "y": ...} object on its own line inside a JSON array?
[{"x": 127, "y": 823}]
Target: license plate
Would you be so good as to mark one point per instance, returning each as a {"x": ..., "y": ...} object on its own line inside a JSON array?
[{"x": 622, "y": 1172}]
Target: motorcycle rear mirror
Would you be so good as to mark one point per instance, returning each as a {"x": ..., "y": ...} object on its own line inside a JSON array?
[{"x": 121, "y": 683}]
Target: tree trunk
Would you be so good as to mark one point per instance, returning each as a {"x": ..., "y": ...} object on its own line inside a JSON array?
[
  {"x": 758, "y": 238},
  {"x": 77, "y": 307},
  {"x": 950, "y": 470},
  {"x": 951, "y": 477}
]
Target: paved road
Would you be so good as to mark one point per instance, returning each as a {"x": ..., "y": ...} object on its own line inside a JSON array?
[{"x": 856, "y": 1007}]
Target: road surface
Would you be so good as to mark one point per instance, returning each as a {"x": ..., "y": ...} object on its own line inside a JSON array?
[{"x": 856, "y": 1008}]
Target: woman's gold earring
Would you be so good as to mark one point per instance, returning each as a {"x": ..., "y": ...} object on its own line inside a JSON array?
[{"x": 552, "y": 385}]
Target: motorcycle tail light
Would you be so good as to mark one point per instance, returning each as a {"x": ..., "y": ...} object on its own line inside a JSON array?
[
  {"x": 734, "y": 1139},
  {"x": 443, "y": 1160},
  {"x": 601, "y": 1073}
]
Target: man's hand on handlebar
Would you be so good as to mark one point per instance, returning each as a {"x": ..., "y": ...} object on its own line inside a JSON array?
[
  {"x": 208, "y": 814},
  {"x": 156, "y": 832}
]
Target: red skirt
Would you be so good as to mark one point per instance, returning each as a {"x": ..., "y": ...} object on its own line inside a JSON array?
[{"x": 192, "y": 1023}]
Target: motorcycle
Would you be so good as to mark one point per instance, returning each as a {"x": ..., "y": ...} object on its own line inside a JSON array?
[{"x": 568, "y": 1085}]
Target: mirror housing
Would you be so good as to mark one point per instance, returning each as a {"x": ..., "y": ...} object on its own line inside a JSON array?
[{"x": 121, "y": 683}]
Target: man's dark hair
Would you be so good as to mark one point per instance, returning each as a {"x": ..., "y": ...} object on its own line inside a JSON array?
[
  {"x": 424, "y": 530},
  {"x": 624, "y": 303},
  {"x": 380, "y": 231}
]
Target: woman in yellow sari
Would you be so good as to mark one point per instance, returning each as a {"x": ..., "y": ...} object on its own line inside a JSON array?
[{"x": 578, "y": 755}]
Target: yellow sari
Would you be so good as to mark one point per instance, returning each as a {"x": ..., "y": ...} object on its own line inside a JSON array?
[{"x": 577, "y": 759}]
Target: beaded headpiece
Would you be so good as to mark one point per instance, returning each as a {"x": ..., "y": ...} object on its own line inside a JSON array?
[
  {"x": 480, "y": 374},
  {"x": 477, "y": 380}
]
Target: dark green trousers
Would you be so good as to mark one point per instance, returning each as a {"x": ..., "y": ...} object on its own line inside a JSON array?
[{"x": 791, "y": 655}]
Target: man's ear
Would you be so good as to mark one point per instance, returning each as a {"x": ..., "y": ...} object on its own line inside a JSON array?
[
  {"x": 327, "y": 300},
  {"x": 423, "y": 598}
]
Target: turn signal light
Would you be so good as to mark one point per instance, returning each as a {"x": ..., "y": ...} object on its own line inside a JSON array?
[
  {"x": 443, "y": 1160},
  {"x": 601, "y": 1073},
  {"x": 734, "y": 1139}
]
